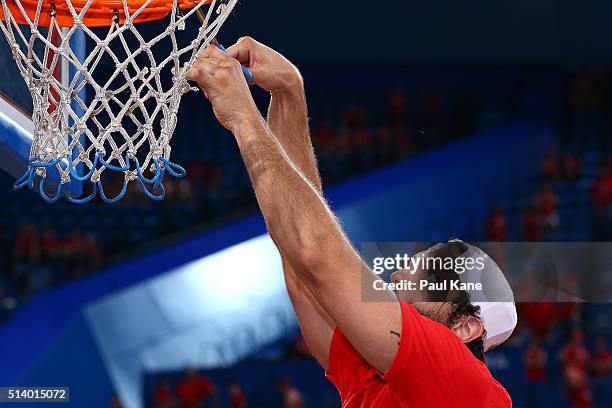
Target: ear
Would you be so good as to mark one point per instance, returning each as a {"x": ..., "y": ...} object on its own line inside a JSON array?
[{"x": 469, "y": 328}]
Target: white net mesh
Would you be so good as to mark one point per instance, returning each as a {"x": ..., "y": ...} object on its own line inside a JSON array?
[{"x": 127, "y": 120}]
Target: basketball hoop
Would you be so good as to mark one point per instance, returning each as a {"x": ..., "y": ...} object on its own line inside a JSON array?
[{"x": 131, "y": 117}]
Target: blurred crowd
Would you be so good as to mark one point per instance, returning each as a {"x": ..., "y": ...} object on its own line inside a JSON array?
[
  {"x": 38, "y": 257},
  {"x": 355, "y": 142},
  {"x": 585, "y": 376},
  {"x": 601, "y": 192},
  {"x": 559, "y": 353},
  {"x": 196, "y": 390},
  {"x": 540, "y": 219}
]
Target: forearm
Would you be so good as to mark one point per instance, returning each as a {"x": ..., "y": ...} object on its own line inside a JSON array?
[
  {"x": 316, "y": 325},
  {"x": 288, "y": 120},
  {"x": 296, "y": 215}
]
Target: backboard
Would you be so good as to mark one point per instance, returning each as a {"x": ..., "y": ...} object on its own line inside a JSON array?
[
  {"x": 16, "y": 126},
  {"x": 15, "y": 115}
]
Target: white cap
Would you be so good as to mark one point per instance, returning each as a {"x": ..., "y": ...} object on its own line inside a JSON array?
[{"x": 496, "y": 299}]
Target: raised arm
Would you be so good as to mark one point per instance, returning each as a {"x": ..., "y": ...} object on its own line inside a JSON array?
[
  {"x": 288, "y": 120},
  {"x": 304, "y": 228}
]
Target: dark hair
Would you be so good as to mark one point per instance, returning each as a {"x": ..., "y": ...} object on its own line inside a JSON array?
[
  {"x": 460, "y": 300},
  {"x": 467, "y": 309}
]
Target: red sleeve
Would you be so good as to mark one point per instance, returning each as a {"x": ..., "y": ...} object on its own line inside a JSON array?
[
  {"x": 347, "y": 369},
  {"x": 433, "y": 368}
]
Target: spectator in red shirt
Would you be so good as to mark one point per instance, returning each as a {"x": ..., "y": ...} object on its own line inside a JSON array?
[
  {"x": 567, "y": 167},
  {"x": 394, "y": 140},
  {"x": 575, "y": 353},
  {"x": 27, "y": 243},
  {"x": 578, "y": 392},
  {"x": 355, "y": 138},
  {"x": 236, "y": 394},
  {"x": 408, "y": 348},
  {"x": 573, "y": 359},
  {"x": 568, "y": 313},
  {"x": 497, "y": 230},
  {"x": 534, "y": 361},
  {"x": 540, "y": 318},
  {"x": 546, "y": 202},
  {"x": 397, "y": 108},
  {"x": 50, "y": 244},
  {"x": 164, "y": 397},
  {"x": 601, "y": 371},
  {"x": 323, "y": 137},
  {"x": 532, "y": 232},
  {"x": 601, "y": 193},
  {"x": 292, "y": 397},
  {"x": 601, "y": 190},
  {"x": 193, "y": 390}
]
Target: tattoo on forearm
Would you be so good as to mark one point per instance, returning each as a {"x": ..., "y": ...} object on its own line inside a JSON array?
[{"x": 396, "y": 334}]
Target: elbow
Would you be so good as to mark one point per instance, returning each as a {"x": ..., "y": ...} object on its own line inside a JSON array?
[{"x": 309, "y": 264}]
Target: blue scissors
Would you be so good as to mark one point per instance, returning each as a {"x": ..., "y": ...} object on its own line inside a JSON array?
[{"x": 247, "y": 73}]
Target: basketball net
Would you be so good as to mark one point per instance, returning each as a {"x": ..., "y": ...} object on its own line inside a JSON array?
[{"x": 128, "y": 123}]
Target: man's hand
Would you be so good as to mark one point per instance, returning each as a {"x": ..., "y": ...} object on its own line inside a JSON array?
[
  {"x": 271, "y": 70},
  {"x": 221, "y": 79}
]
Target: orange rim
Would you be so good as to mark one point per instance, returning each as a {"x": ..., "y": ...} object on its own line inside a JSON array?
[{"x": 99, "y": 14}]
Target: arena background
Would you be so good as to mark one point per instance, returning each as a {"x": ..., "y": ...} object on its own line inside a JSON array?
[{"x": 478, "y": 120}]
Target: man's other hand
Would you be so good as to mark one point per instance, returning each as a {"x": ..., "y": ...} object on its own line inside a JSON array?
[
  {"x": 271, "y": 71},
  {"x": 221, "y": 79}
]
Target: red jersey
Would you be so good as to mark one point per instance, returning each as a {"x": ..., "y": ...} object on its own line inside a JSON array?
[
  {"x": 432, "y": 368},
  {"x": 601, "y": 364},
  {"x": 579, "y": 393},
  {"x": 539, "y": 317},
  {"x": 238, "y": 400},
  {"x": 496, "y": 228},
  {"x": 192, "y": 392},
  {"x": 535, "y": 364},
  {"x": 575, "y": 355},
  {"x": 163, "y": 396},
  {"x": 531, "y": 226},
  {"x": 601, "y": 191}
]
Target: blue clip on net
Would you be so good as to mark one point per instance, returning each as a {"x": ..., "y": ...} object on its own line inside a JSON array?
[{"x": 157, "y": 193}]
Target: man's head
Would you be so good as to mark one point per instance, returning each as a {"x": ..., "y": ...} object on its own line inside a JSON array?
[{"x": 443, "y": 299}]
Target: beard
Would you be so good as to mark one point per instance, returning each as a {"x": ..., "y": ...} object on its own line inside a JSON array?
[{"x": 438, "y": 313}]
